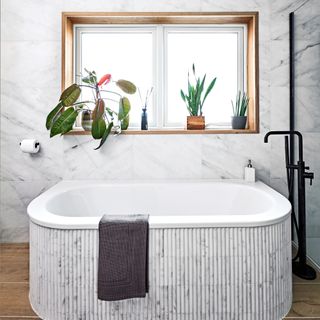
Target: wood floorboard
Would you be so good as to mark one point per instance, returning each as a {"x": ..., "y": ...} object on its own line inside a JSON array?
[
  {"x": 14, "y": 300},
  {"x": 14, "y": 288}
]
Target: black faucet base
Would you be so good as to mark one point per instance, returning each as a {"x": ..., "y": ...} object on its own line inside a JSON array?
[{"x": 303, "y": 271}]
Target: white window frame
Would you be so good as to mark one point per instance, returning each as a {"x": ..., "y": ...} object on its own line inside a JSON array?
[{"x": 160, "y": 35}]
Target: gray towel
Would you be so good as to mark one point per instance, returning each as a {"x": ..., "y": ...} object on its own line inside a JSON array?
[{"x": 123, "y": 257}]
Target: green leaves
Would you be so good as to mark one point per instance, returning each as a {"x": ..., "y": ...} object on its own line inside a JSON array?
[
  {"x": 193, "y": 99},
  {"x": 125, "y": 123},
  {"x": 70, "y": 95},
  {"x": 211, "y": 85},
  {"x": 242, "y": 102},
  {"x": 99, "y": 109},
  {"x": 98, "y": 128},
  {"x": 64, "y": 122},
  {"x": 105, "y": 135},
  {"x": 91, "y": 77},
  {"x": 53, "y": 115},
  {"x": 126, "y": 86},
  {"x": 124, "y": 108},
  {"x": 62, "y": 117}
]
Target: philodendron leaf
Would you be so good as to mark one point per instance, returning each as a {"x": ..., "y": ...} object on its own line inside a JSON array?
[
  {"x": 126, "y": 86},
  {"x": 70, "y": 95},
  {"x": 64, "y": 122},
  {"x": 98, "y": 111},
  {"x": 98, "y": 128},
  {"x": 105, "y": 135},
  {"x": 125, "y": 123},
  {"x": 52, "y": 115},
  {"x": 124, "y": 108}
]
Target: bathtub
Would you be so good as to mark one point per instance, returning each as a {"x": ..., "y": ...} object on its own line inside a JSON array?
[{"x": 218, "y": 250}]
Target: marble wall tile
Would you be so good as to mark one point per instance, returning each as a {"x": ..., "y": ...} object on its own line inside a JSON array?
[
  {"x": 23, "y": 116},
  {"x": 307, "y": 62},
  {"x": 39, "y": 20},
  {"x": 225, "y": 157},
  {"x": 280, "y": 10},
  {"x": 307, "y": 78},
  {"x": 311, "y": 153},
  {"x": 307, "y": 108},
  {"x": 280, "y": 108},
  {"x": 166, "y": 5},
  {"x": 35, "y": 63},
  {"x": 97, "y": 5},
  {"x": 313, "y": 245},
  {"x": 279, "y": 63},
  {"x": 15, "y": 197},
  {"x": 167, "y": 157},
  {"x": 113, "y": 161},
  {"x": 307, "y": 21}
]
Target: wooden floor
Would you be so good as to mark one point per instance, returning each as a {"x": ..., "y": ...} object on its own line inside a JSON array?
[{"x": 14, "y": 275}]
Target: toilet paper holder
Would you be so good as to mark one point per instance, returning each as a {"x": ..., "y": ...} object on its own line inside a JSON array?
[
  {"x": 30, "y": 146},
  {"x": 37, "y": 144}
]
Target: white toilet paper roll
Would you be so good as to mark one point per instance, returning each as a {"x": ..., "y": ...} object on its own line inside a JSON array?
[{"x": 30, "y": 146}]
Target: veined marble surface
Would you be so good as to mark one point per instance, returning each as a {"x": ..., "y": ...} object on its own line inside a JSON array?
[
  {"x": 30, "y": 81},
  {"x": 194, "y": 273}
]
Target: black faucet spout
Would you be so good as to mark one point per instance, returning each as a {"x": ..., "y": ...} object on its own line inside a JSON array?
[{"x": 288, "y": 132}]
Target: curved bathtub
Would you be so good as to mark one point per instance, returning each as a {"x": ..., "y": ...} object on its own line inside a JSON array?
[{"x": 218, "y": 250}]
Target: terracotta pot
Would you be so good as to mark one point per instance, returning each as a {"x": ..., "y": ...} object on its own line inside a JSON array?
[{"x": 195, "y": 122}]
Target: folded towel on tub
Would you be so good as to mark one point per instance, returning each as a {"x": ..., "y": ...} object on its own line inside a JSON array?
[{"x": 123, "y": 257}]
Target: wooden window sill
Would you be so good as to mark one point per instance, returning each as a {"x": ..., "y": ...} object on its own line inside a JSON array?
[{"x": 173, "y": 131}]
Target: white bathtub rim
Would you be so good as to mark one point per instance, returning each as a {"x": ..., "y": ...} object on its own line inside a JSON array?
[{"x": 40, "y": 215}]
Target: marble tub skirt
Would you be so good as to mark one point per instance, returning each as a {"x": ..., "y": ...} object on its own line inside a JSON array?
[{"x": 194, "y": 273}]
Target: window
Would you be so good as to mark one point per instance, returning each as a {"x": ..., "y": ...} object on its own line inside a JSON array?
[{"x": 158, "y": 50}]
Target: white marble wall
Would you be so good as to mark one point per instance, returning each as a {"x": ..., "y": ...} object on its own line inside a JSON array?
[
  {"x": 307, "y": 30},
  {"x": 30, "y": 80}
]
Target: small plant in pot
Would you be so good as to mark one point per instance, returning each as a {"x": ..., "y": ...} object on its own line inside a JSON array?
[
  {"x": 194, "y": 100},
  {"x": 96, "y": 115},
  {"x": 239, "y": 119}
]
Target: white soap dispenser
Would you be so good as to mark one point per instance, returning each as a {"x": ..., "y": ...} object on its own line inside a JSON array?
[{"x": 249, "y": 173}]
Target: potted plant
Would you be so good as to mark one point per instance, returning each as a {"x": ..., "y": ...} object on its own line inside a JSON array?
[
  {"x": 239, "y": 119},
  {"x": 144, "y": 115},
  {"x": 194, "y": 101},
  {"x": 96, "y": 115}
]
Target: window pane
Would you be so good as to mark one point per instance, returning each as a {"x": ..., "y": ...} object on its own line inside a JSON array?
[
  {"x": 125, "y": 55},
  {"x": 214, "y": 53}
]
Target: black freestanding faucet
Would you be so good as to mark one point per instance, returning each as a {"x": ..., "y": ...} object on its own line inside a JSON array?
[{"x": 299, "y": 268}]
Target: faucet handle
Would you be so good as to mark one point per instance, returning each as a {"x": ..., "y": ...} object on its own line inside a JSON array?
[{"x": 309, "y": 175}]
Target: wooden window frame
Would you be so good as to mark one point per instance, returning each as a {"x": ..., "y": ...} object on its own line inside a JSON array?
[{"x": 69, "y": 19}]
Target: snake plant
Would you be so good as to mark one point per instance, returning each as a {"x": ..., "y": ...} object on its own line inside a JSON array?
[
  {"x": 193, "y": 99},
  {"x": 61, "y": 118},
  {"x": 241, "y": 106}
]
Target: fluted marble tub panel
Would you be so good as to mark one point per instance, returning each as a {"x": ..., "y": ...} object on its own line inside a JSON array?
[{"x": 195, "y": 273}]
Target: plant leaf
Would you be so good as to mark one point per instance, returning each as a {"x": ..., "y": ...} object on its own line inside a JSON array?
[
  {"x": 211, "y": 85},
  {"x": 183, "y": 96},
  {"x": 98, "y": 128},
  {"x": 64, "y": 123},
  {"x": 91, "y": 78},
  {"x": 124, "y": 108},
  {"x": 53, "y": 115},
  {"x": 70, "y": 95},
  {"x": 125, "y": 123},
  {"x": 98, "y": 110},
  {"x": 126, "y": 86},
  {"x": 105, "y": 135}
]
